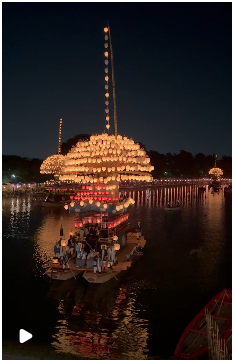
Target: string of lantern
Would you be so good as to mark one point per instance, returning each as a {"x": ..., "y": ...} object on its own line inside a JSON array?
[
  {"x": 106, "y": 54},
  {"x": 53, "y": 164},
  {"x": 59, "y": 137}
]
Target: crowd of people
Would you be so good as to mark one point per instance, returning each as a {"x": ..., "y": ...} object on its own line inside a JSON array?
[{"x": 84, "y": 250}]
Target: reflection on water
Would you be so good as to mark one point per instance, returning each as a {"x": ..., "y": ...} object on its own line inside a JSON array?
[
  {"x": 127, "y": 319},
  {"x": 19, "y": 210}
]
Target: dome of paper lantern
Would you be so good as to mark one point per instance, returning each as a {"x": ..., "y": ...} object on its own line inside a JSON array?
[
  {"x": 106, "y": 159},
  {"x": 52, "y": 165},
  {"x": 215, "y": 171}
]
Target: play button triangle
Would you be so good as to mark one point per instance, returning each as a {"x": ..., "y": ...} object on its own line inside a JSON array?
[{"x": 24, "y": 336}]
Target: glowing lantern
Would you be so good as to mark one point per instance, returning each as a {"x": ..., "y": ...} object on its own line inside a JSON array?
[
  {"x": 66, "y": 207},
  {"x": 116, "y": 247},
  {"x": 63, "y": 242},
  {"x": 55, "y": 260},
  {"x": 72, "y": 204}
]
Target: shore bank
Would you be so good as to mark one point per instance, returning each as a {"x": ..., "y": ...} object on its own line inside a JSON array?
[{"x": 30, "y": 351}]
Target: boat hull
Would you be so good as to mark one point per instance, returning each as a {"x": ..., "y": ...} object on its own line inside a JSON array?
[
  {"x": 51, "y": 204},
  {"x": 193, "y": 343},
  {"x": 60, "y": 275},
  {"x": 100, "y": 278}
]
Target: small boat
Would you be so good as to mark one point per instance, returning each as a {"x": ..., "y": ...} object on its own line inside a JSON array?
[
  {"x": 215, "y": 190},
  {"x": 52, "y": 204},
  {"x": 228, "y": 190},
  {"x": 172, "y": 208},
  {"x": 193, "y": 343}
]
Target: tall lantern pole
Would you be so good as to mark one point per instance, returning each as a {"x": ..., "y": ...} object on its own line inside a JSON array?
[
  {"x": 106, "y": 53},
  {"x": 113, "y": 83},
  {"x": 59, "y": 137}
]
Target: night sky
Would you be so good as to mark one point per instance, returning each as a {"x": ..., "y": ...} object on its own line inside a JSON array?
[{"x": 172, "y": 70}]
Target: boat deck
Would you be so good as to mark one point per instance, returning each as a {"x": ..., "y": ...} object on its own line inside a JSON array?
[{"x": 123, "y": 256}]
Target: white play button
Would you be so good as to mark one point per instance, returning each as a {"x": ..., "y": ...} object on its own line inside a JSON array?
[{"x": 24, "y": 336}]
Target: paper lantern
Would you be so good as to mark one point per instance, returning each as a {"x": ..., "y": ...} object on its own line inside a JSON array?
[
  {"x": 72, "y": 204},
  {"x": 115, "y": 238},
  {"x": 116, "y": 247},
  {"x": 63, "y": 242},
  {"x": 66, "y": 207},
  {"x": 55, "y": 260}
]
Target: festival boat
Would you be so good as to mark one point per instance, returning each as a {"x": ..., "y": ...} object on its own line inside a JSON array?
[
  {"x": 216, "y": 174},
  {"x": 57, "y": 200},
  {"x": 194, "y": 341},
  {"x": 99, "y": 164}
]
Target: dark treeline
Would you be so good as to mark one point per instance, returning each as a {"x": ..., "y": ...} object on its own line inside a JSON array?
[
  {"x": 21, "y": 169},
  {"x": 181, "y": 165}
]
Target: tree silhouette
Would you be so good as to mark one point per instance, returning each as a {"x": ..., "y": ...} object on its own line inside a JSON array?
[{"x": 66, "y": 146}]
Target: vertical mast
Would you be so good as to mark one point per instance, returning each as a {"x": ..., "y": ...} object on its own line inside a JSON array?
[
  {"x": 59, "y": 137},
  {"x": 215, "y": 160}
]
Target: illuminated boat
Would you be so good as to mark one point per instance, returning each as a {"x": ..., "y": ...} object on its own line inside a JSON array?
[
  {"x": 99, "y": 164},
  {"x": 216, "y": 174},
  {"x": 193, "y": 343}
]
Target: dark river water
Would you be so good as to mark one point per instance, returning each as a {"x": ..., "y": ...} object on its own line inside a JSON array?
[{"x": 144, "y": 314}]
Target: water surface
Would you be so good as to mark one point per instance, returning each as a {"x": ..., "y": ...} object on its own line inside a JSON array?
[{"x": 140, "y": 317}]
